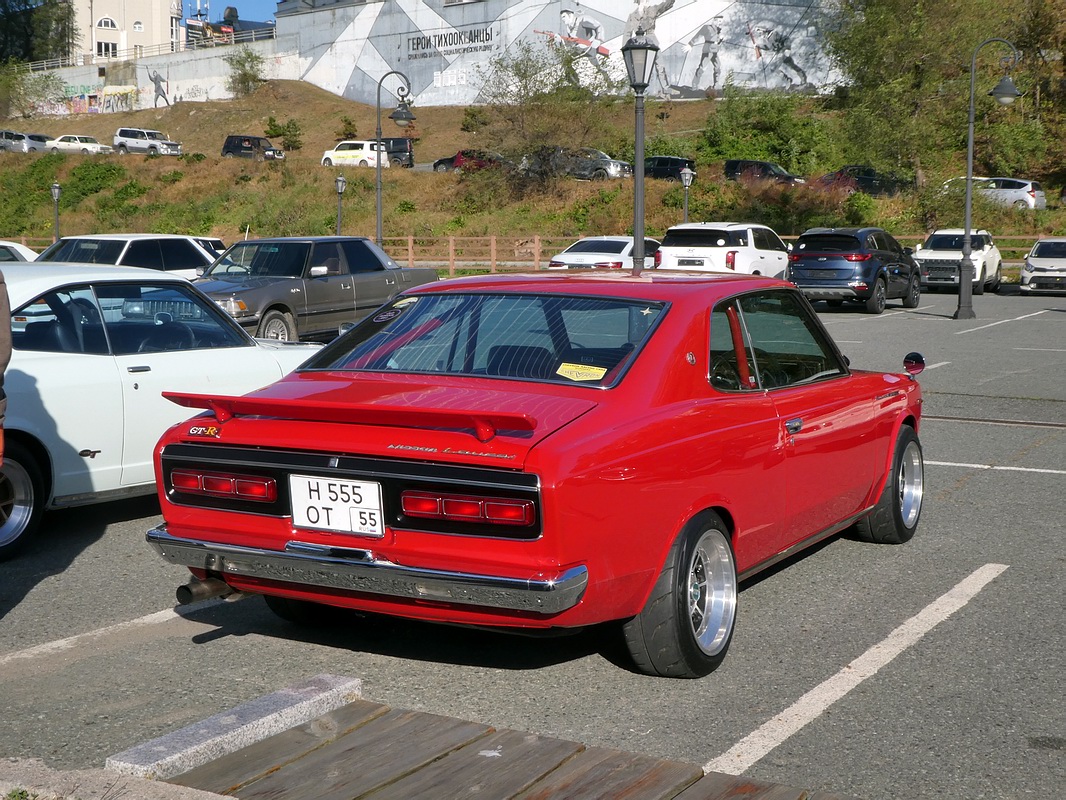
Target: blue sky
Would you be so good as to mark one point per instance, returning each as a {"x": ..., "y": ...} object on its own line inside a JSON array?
[{"x": 254, "y": 10}]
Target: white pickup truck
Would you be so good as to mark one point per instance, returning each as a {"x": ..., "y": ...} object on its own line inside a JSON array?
[{"x": 939, "y": 257}]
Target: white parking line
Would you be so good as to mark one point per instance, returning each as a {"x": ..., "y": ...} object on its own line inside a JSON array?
[
  {"x": 1001, "y": 322},
  {"x": 49, "y": 648},
  {"x": 996, "y": 467},
  {"x": 937, "y": 364},
  {"x": 760, "y": 742},
  {"x": 1041, "y": 349}
]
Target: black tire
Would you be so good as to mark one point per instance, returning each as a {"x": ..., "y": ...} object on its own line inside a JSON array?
[
  {"x": 599, "y": 175},
  {"x": 685, "y": 629},
  {"x": 875, "y": 303},
  {"x": 979, "y": 284},
  {"x": 327, "y": 162},
  {"x": 440, "y": 168},
  {"x": 122, "y": 151},
  {"x": 227, "y": 155},
  {"x": 277, "y": 325},
  {"x": 22, "y": 499},
  {"x": 895, "y": 517},
  {"x": 997, "y": 280},
  {"x": 914, "y": 293}
]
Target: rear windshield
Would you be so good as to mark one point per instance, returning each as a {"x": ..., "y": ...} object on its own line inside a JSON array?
[
  {"x": 596, "y": 246},
  {"x": 827, "y": 243},
  {"x": 557, "y": 338},
  {"x": 86, "y": 251},
  {"x": 705, "y": 238}
]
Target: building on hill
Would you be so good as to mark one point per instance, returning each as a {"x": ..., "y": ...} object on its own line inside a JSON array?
[{"x": 445, "y": 47}]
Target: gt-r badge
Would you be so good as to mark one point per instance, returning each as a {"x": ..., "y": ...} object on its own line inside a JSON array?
[{"x": 205, "y": 430}]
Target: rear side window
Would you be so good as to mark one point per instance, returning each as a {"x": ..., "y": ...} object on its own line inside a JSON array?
[
  {"x": 596, "y": 246},
  {"x": 144, "y": 253},
  {"x": 360, "y": 257},
  {"x": 769, "y": 340},
  {"x": 180, "y": 254},
  {"x": 827, "y": 243},
  {"x": 710, "y": 237}
]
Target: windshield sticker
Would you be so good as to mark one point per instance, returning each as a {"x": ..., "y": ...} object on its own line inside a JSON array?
[
  {"x": 385, "y": 316},
  {"x": 581, "y": 372},
  {"x": 403, "y": 302}
]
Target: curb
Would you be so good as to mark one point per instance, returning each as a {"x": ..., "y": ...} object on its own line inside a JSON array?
[{"x": 231, "y": 730}]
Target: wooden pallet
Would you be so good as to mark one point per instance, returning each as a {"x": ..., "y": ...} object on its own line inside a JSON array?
[{"x": 368, "y": 750}]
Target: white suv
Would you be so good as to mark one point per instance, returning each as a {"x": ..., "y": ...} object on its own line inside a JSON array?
[
  {"x": 939, "y": 257},
  {"x": 723, "y": 247},
  {"x": 142, "y": 140}
]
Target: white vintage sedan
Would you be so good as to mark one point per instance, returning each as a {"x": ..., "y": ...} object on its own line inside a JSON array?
[
  {"x": 71, "y": 143},
  {"x": 94, "y": 347}
]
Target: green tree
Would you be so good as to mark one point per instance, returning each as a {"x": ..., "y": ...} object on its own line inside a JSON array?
[
  {"x": 531, "y": 98},
  {"x": 288, "y": 132},
  {"x": 36, "y": 30},
  {"x": 22, "y": 91},
  {"x": 906, "y": 69},
  {"x": 246, "y": 71}
]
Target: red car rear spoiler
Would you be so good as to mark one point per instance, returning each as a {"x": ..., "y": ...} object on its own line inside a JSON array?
[{"x": 485, "y": 424}]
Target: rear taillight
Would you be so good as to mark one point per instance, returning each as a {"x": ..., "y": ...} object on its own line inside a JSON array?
[
  {"x": 467, "y": 508},
  {"x": 794, "y": 257},
  {"x": 858, "y": 256},
  {"x": 731, "y": 259},
  {"x": 556, "y": 265},
  {"x": 658, "y": 258},
  {"x": 608, "y": 265},
  {"x": 219, "y": 484}
]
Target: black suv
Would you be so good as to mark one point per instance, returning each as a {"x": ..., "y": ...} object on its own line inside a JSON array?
[
  {"x": 667, "y": 167},
  {"x": 586, "y": 163},
  {"x": 401, "y": 150},
  {"x": 859, "y": 178},
  {"x": 257, "y": 147},
  {"x": 864, "y": 265},
  {"x": 738, "y": 168}
]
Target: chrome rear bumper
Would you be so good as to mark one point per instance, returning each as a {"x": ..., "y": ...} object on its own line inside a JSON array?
[{"x": 359, "y": 570}]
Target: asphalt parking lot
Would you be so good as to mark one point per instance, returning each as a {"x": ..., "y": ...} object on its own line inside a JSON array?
[{"x": 927, "y": 670}]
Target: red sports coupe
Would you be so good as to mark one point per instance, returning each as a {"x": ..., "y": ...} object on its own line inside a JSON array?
[{"x": 547, "y": 451}]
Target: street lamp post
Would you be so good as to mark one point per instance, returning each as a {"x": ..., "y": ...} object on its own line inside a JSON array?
[
  {"x": 687, "y": 176},
  {"x": 341, "y": 184},
  {"x": 403, "y": 117},
  {"x": 1005, "y": 94},
  {"x": 56, "y": 191},
  {"x": 639, "y": 54}
]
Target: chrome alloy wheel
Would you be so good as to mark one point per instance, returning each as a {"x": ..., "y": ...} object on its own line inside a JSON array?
[
  {"x": 712, "y": 592},
  {"x": 911, "y": 484}
]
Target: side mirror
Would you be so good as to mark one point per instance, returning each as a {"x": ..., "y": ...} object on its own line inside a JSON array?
[
  {"x": 320, "y": 271},
  {"x": 914, "y": 363}
]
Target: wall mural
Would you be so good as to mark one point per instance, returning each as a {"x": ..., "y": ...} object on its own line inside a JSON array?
[{"x": 446, "y": 49}]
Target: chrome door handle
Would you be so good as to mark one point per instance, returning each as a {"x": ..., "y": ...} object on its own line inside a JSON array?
[
  {"x": 133, "y": 370},
  {"x": 794, "y": 425}
]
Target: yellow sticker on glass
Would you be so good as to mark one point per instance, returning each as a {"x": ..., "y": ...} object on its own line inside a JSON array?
[{"x": 581, "y": 372}]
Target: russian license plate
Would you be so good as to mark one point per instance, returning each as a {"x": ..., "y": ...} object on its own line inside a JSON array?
[{"x": 334, "y": 504}]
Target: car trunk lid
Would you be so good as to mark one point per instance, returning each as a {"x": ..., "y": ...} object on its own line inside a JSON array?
[{"x": 490, "y": 423}]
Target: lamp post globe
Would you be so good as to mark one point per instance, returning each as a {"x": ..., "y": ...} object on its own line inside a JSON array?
[
  {"x": 639, "y": 54},
  {"x": 687, "y": 176},
  {"x": 403, "y": 117},
  {"x": 1005, "y": 93}
]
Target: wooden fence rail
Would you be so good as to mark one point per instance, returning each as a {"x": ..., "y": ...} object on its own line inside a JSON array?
[{"x": 449, "y": 254}]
